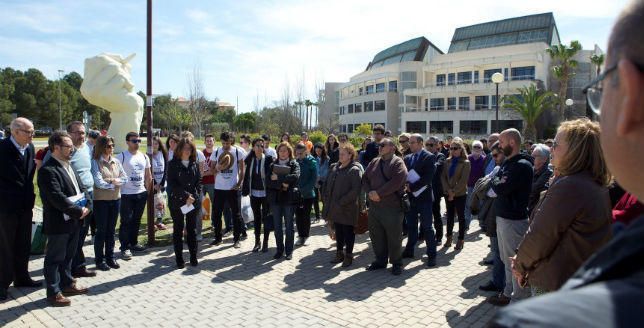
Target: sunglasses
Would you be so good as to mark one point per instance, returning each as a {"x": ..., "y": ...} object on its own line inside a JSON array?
[
  {"x": 403, "y": 140},
  {"x": 455, "y": 148},
  {"x": 136, "y": 141}
]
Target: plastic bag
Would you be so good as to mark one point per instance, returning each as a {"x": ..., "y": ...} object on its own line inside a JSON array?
[
  {"x": 246, "y": 210},
  {"x": 159, "y": 205}
]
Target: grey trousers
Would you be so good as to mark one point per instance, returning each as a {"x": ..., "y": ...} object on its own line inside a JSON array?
[
  {"x": 385, "y": 232},
  {"x": 510, "y": 234}
]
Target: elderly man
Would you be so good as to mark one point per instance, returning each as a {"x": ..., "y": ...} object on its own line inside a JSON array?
[
  {"x": 17, "y": 197},
  {"x": 489, "y": 164},
  {"x": 384, "y": 182},
  {"x": 542, "y": 174},
  {"x": 607, "y": 290}
]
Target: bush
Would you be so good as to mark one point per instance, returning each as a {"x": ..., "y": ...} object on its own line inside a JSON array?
[{"x": 317, "y": 137}]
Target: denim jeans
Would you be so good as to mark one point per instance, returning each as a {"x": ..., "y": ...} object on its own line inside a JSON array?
[
  {"x": 61, "y": 249},
  {"x": 510, "y": 234},
  {"x": 230, "y": 198},
  {"x": 498, "y": 269},
  {"x": 286, "y": 212},
  {"x": 132, "y": 207},
  {"x": 79, "y": 259},
  {"x": 424, "y": 209},
  {"x": 107, "y": 211}
]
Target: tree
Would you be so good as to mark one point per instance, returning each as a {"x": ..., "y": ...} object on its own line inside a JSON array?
[
  {"x": 364, "y": 130},
  {"x": 245, "y": 122},
  {"x": 564, "y": 69},
  {"x": 598, "y": 61},
  {"x": 308, "y": 104},
  {"x": 530, "y": 103},
  {"x": 197, "y": 103}
]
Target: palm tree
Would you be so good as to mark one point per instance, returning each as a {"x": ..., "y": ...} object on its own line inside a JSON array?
[
  {"x": 299, "y": 108},
  {"x": 564, "y": 70},
  {"x": 308, "y": 104},
  {"x": 598, "y": 61},
  {"x": 530, "y": 103}
]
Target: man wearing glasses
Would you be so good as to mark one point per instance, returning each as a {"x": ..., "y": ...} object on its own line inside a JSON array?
[
  {"x": 134, "y": 194},
  {"x": 17, "y": 197}
]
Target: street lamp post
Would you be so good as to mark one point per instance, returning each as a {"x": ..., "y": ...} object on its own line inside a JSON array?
[
  {"x": 569, "y": 102},
  {"x": 497, "y": 78},
  {"x": 60, "y": 107}
]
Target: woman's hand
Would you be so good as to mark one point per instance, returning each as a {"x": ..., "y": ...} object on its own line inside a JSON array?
[
  {"x": 190, "y": 200},
  {"x": 274, "y": 177}
]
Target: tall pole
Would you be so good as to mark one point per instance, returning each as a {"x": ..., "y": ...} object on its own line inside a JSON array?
[
  {"x": 149, "y": 101},
  {"x": 60, "y": 106},
  {"x": 497, "y": 108}
]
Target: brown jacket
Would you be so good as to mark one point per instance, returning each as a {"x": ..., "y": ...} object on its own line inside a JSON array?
[
  {"x": 458, "y": 182},
  {"x": 567, "y": 226},
  {"x": 343, "y": 187},
  {"x": 389, "y": 191}
]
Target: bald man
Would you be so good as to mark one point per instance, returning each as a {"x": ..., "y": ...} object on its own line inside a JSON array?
[
  {"x": 17, "y": 168},
  {"x": 607, "y": 290}
]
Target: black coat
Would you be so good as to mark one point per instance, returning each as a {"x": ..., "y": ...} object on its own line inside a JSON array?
[
  {"x": 437, "y": 186},
  {"x": 513, "y": 184},
  {"x": 186, "y": 181},
  {"x": 539, "y": 184},
  {"x": 55, "y": 186},
  {"x": 16, "y": 177},
  {"x": 425, "y": 166},
  {"x": 274, "y": 190},
  {"x": 247, "y": 172}
]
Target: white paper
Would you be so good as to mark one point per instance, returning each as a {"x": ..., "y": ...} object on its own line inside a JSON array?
[
  {"x": 187, "y": 208},
  {"x": 420, "y": 191},
  {"x": 412, "y": 176}
]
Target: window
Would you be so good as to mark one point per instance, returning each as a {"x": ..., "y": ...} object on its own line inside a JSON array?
[
  {"x": 437, "y": 104},
  {"x": 350, "y": 128},
  {"x": 440, "y": 80},
  {"x": 350, "y": 109},
  {"x": 487, "y": 74},
  {"x": 369, "y": 89},
  {"x": 464, "y": 103},
  {"x": 505, "y": 74},
  {"x": 341, "y": 110},
  {"x": 445, "y": 127},
  {"x": 493, "y": 101},
  {"x": 426, "y": 104},
  {"x": 416, "y": 127},
  {"x": 473, "y": 127},
  {"x": 481, "y": 102},
  {"x": 393, "y": 86},
  {"x": 464, "y": 78},
  {"x": 450, "y": 78},
  {"x": 380, "y": 87},
  {"x": 360, "y": 91},
  {"x": 358, "y": 108},
  {"x": 476, "y": 76},
  {"x": 523, "y": 73},
  {"x": 506, "y": 99},
  {"x": 378, "y": 105},
  {"x": 451, "y": 103},
  {"x": 368, "y": 106},
  {"x": 507, "y": 124}
]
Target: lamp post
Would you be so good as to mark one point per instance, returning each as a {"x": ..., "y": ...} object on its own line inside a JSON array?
[
  {"x": 149, "y": 101},
  {"x": 497, "y": 78},
  {"x": 60, "y": 107},
  {"x": 569, "y": 103}
]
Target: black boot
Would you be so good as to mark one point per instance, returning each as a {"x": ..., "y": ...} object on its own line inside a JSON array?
[
  {"x": 265, "y": 243},
  {"x": 339, "y": 257},
  {"x": 256, "y": 248}
]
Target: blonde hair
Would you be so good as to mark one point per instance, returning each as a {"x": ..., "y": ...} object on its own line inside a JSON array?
[
  {"x": 584, "y": 150},
  {"x": 348, "y": 147}
]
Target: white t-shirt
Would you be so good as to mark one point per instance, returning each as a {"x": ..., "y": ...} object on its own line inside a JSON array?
[
  {"x": 270, "y": 152},
  {"x": 227, "y": 179},
  {"x": 134, "y": 166},
  {"x": 158, "y": 166}
]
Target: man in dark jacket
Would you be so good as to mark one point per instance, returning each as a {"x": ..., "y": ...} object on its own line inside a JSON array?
[
  {"x": 432, "y": 145},
  {"x": 420, "y": 167},
  {"x": 512, "y": 184},
  {"x": 542, "y": 174},
  {"x": 17, "y": 197},
  {"x": 372, "y": 148},
  {"x": 607, "y": 290},
  {"x": 65, "y": 202}
]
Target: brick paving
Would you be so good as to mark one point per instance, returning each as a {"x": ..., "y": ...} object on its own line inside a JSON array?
[{"x": 238, "y": 288}]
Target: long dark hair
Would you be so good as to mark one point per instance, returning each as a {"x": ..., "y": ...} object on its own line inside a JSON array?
[
  {"x": 172, "y": 136},
  {"x": 161, "y": 147},
  {"x": 323, "y": 157},
  {"x": 329, "y": 147},
  {"x": 101, "y": 144},
  {"x": 179, "y": 149}
]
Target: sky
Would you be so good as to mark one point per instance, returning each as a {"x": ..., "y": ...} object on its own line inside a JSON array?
[{"x": 249, "y": 52}]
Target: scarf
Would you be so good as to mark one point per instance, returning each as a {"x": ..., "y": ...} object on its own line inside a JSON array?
[{"x": 452, "y": 167}]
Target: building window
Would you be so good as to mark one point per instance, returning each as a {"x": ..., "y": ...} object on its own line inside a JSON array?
[
  {"x": 505, "y": 74},
  {"x": 393, "y": 86},
  {"x": 464, "y": 78},
  {"x": 507, "y": 124},
  {"x": 380, "y": 87},
  {"x": 506, "y": 98},
  {"x": 473, "y": 127},
  {"x": 350, "y": 128},
  {"x": 481, "y": 102},
  {"x": 341, "y": 110},
  {"x": 350, "y": 109},
  {"x": 450, "y": 78},
  {"x": 487, "y": 74},
  {"x": 360, "y": 91},
  {"x": 440, "y": 80},
  {"x": 523, "y": 73},
  {"x": 464, "y": 103},
  {"x": 369, "y": 89},
  {"x": 476, "y": 76},
  {"x": 358, "y": 108},
  {"x": 426, "y": 104},
  {"x": 368, "y": 106},
  {"x": 493, "y": 101},
  {"x": 437, "y": 104},
  {"x": 416, "y": 127},
  {"x": 378, "y": 105},
  {"x": 451, "y": 103},
  {"x": 445, "y": 127}
]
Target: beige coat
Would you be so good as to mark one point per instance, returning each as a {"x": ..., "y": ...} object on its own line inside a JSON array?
[{"x": 458, "y": 182}]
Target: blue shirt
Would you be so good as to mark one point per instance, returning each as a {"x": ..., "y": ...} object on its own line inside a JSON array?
[
  {"x": 20, "y": 148},
  {"x": 82, "y": 164},
  {"x": 490, "y": 166}
]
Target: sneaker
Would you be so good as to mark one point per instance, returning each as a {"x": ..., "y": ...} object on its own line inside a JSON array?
[
  {"x": 499, "y": 300},
  {"x": 138, "y": 248},
  {"x": 199, "y": 237},
  {"x": 126, "y": 255}
]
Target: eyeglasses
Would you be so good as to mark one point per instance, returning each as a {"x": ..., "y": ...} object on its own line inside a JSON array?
[
  {"x": 78, "y": 132},
  {"x": 594, "y": 89},
  {"x": 28, "y": 132},
  {"x": 477, "y": 147},
  {"x": 67, "y": 146},
  {"x": 403, "y": 141},
  {"x": 136, "y": 141},
  {"x": 455, "y": 148}
]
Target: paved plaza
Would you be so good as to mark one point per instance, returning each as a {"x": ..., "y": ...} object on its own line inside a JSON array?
[{"x": 238, "y": 288}]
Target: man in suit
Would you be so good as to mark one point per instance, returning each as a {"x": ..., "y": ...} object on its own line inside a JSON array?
[
  {"x": 419, "y": 189},
  {"x": 433, "y": 146},
  {"x": 61, "y": 218},
  {"x": 17, "y": 168}
]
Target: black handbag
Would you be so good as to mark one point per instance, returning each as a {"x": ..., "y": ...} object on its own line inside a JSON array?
[{"x": 405, "y": 204}]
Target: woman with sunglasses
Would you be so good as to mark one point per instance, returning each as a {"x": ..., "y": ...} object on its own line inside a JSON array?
[
  {"x": 258, "y": 167},
  {"x": 456, "y": 171},
  {"x": 109, "y": 176}
]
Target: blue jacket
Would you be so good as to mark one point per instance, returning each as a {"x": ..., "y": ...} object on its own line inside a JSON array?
[{"x": 308, "y": 176}]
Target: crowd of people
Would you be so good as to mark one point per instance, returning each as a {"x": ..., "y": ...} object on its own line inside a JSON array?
[{"x": 559, "y": 225}]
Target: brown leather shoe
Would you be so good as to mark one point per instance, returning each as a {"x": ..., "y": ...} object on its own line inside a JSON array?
[
  {"x": 499, "y": 300},
  {"x": 72, "y": 290},
  {"x": 83, "y": 273},
  {"x": 459, "y": 244},
  {"x": 59, "y": 300}
]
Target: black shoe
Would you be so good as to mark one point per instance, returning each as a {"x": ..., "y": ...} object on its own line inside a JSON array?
[
  {"x": 181, "y": 265},
  {"x": 408, "y": 255},
  {"x": 138, "y": 248},
  {"x": 375, "y": 266},
  {"x": 244, "y": 236},
  {"x": 490, "y": 287},
  {"x": 113, "y": 264},
  {"x": 265, "y": 245},
  {"x": 431, "y": 262},
  {"x": 256, "y": 247},
  {"x": 102, "y": 266},
  {"x": 30, "y": 283},
  {"x": 277, "y": 255},
  {"x": 488, "y": 262},
  {"x": 288, "y": 256},
  {"x": 237, "y": 244},
  {"x": 216, "y": 242},
  {"x": 193, "y": 261},
  {"x": 3, "y": 294},
  {"x": 83, "y": 273},
  {"x": 396, "y": 270}
]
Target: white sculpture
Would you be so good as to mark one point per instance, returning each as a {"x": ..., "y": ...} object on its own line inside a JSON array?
[{"x": 108, "y": 84}]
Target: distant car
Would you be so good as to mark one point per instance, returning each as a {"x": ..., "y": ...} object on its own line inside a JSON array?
[{"x": 44, "y": 131}]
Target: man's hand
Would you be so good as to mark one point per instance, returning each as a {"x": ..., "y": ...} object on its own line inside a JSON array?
[
  {"x": 84, "y": 213},
  {"x": 190, "y": 200},
  {"x": 274, "y": 177},
  {"x": 373, "y": 196}
]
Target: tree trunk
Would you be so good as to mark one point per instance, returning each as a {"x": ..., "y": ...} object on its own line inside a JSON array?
[{"x": 530, "y": 131}]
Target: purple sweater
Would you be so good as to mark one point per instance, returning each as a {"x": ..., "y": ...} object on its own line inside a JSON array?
[{"x": 477, "y": 171}]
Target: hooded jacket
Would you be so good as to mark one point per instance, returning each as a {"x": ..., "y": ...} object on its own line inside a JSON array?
[{"x": 513, "y": 184}]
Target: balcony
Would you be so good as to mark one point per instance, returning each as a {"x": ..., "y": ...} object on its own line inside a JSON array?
[{"x": 473, "y": 88}]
